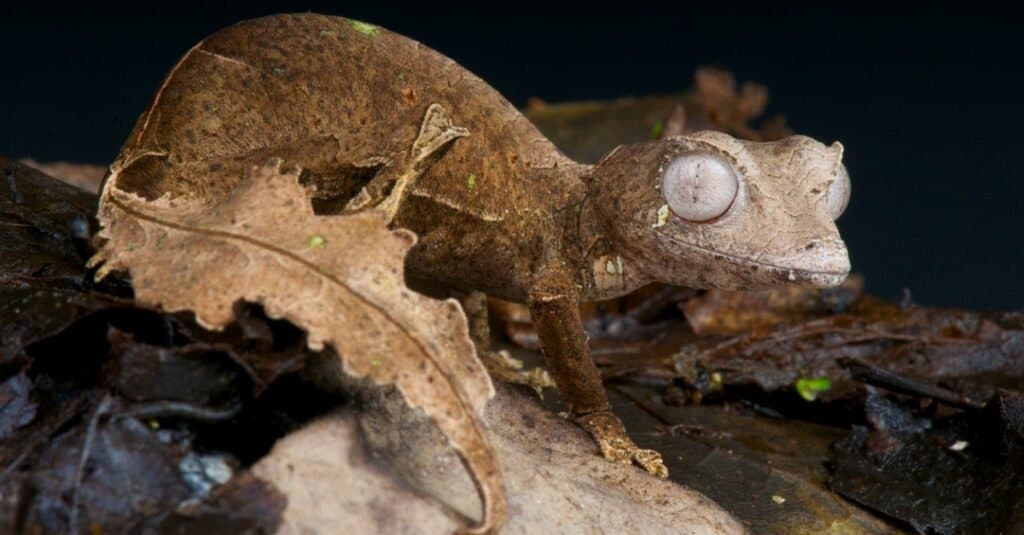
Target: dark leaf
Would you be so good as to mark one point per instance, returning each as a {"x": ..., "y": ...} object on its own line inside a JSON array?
[
  {"x": 964, "y": 475},
  {"x": 17, "y": 408},
  {"x": 37, "y": 215},
  {"x": 246, "y": 504},
  {"x": 195, "y": 372},
  {"x": 129, "y": 475}
]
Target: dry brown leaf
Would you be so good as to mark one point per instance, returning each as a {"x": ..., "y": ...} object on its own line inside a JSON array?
[
  {"x": 729, "y": 312},
  {"x": 556, "y": 481},
  {"x": 84, "y": 176},
  {"x": 731, "y": 107},
  {"x": 338, "y": 277}
]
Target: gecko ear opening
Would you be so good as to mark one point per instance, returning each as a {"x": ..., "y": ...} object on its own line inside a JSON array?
[{"x": 699, "y": 186}]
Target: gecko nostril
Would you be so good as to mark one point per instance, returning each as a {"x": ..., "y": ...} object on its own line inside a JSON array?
[{"x": 810, "y": 246}]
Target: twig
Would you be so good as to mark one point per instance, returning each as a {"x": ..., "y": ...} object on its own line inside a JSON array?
[
  {"x": 68, "y": 410},
  {"x": 871, "y": 374},
  {"x": 90, "y": 435},
  {"x": 14, "y": 464},
  {"x": 12, "y": 186},
  {"x": 810, "y": 329},
  {"x": 181, "y": 409}
]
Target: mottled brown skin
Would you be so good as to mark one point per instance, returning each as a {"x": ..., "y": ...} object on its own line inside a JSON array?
[{"x": 496, "y": 206}]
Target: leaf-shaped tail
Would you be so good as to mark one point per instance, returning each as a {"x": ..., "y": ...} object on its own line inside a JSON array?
[{"x": 338, "y": 277}]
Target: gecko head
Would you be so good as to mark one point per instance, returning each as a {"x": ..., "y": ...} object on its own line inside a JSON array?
[{"x": 706, "y": 210}]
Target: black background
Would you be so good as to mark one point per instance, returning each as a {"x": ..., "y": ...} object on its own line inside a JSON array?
[{"x": 927, "y": 98}]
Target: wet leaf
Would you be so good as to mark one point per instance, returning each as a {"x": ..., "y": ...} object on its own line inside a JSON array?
[
  {"x": 20, "y": 447},
  {"x": 114, "y": 474},
  {"x": 246, "y": 504},
  {"x": 41, "y": 219},
  {"x": 44, "y": 286},
  {"x": 734, "y": 312},
  {"x": 264, "y": 348},
  {"x": 742, "y": 460},
  {"x": 348, "y": 292},
  {"x": 17, "y": 408},
  {"x": 926, "y": 345},
  {"x": 194, "y": 373},
  {"x": 955, "y": 474}
]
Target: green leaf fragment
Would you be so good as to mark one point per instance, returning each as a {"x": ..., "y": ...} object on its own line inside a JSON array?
[
  {"x": 471, "y": 181},
  {"x": 317, "y": 241},
  {"x": 809, "y": 388},
  {"x": 363, "y": 27},
  {"x": 657, "y": 130}
]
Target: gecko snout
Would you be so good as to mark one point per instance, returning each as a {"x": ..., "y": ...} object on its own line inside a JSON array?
[{"x": 821, "y": 263}]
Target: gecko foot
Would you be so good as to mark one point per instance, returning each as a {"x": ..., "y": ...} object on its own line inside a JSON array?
[
  {"x": 616, "y": 446},
  {"x": 502, "y": 366}
]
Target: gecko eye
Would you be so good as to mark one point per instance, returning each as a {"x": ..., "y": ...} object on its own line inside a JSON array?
[
  {"x": 699, "y": 186},
  {"x": 839, "y": 193}
]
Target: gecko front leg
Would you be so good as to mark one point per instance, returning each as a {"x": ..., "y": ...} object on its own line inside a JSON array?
[{"x": 554, "y": 306}]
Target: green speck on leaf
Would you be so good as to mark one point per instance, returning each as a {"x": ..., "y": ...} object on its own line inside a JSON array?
[
  {"x": 279, "y": 71},
  {"x": 779, "y": 500},
  {"x": 375, "y": 363},
  {"x": 317, "y": 241},
  {"x": 657, "y": 129},
  {"x": 810, "y": 388},
  {"x": 363, "y": 27},
  {"x": 471, "y": 181},
  {"x": 133, "y": 245},
  {"x": 578, "y": 208}
]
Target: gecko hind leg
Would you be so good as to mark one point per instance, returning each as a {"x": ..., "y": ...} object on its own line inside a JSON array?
[
  {"x": 436, "y": 131},
  {"x": 500, "y": 364}
]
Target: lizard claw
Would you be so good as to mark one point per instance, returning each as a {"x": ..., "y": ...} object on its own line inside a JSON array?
[{"x": 616, "y": 446}]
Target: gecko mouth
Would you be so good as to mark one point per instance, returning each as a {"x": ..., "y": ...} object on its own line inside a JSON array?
[{"x": 818, "y": 278}]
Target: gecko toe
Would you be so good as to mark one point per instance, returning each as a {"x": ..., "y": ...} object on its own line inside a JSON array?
[
  {"x": 616, "y": 446},
  {"x": 651, "y": 462}
]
